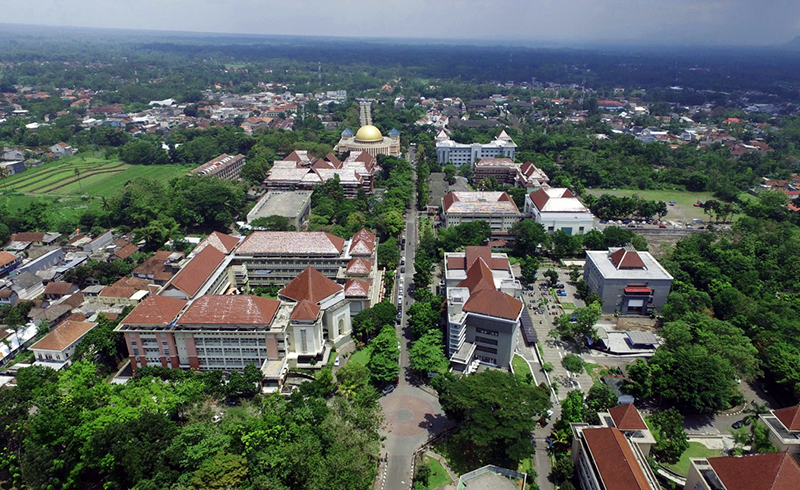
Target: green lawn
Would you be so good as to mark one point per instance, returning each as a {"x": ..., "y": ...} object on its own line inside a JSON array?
[
  {"x": 593, "y": 370},
  {"x": 682, "y": 211},
  {"x": 696, "y": 450},
  {"x": 439, "y": 476},
  {"x": 568, "y": 306},
  {"x": 520, "y": 366},
  {"x": 362, "y": 356}
]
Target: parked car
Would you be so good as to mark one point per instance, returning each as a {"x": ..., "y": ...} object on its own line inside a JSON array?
[
  {"x": 559, "y": 286},
  {"x": 662, "y": 226},
  {"x": 337, "y": 361},
  {"x": 388, "y": 389},
  {"x": 403, "y": 270},
  {"x": 738, "y": 424}
]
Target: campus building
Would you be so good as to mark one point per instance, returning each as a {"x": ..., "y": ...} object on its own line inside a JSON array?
[
  {"x": 370, "y": 140},
  {"x": 770, "y": 471},
  {"x": 448, "y": 151},
  {"x": 784, "y": 428},
  {"x": 628, "y": 282},
  {"x": 506, "y": 171},
  {"x": 483, "y": 309},
  {"x": 224, "y": 166},
  {"x": 613, "y": 454},
  {"x": 496, "y": 208},
  {"x": 301, "y": 171},
  {"x": 557, "y": 208}
]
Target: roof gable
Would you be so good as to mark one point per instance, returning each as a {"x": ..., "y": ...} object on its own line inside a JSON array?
[
  {"x": 540, "y": 198},
  {"x": 493, "y": 303},
  {"x": 356, "y": 287},
  {"x": 304, "y": 310},
  {"x": 63, "y": 336},
  {"x": 479, "y": 277},
  {"x": 310, "y": 285},
  {"x": 222, "y": 242},
  {"x": 626, "y": 259},
  {"x": 615, "y": 460},
  {"x": 789, "y": 417},
  {"x": 626, "y": 417},
  {"x": 769, "y": 471},
  {"x": 192, "y": 277}
]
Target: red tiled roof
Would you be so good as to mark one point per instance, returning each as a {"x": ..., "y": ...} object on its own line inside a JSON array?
[
  {"x": 356, "y": 287},
  {"x": 789, "y": 417},
  {"x": 222, "y": 242},
  {"x": 615, "y": 460},
  {"x": 5, "y": 293},
  {"x": 449, "y": 199},
  {"x": 493, "y": 303},
  {"x": 626, "y": 417},
  {"x": 133, "y": 282},
  {"x": 155, "y": 265},
  {"x": 126, "y": 251},
  {"x": 540, "y": 198},
  {"x": 231, "y": 310},
  {"x": 58, "y": 288},
  {"x": 63, "y": 336},
  {"x": 6, "y": 258},
  {"x": 304, "y": 310},
  {"x": 296, "y": 242},
  {"x": 769, "y": 471},
  {"x": 474, "y": 253},
  {"x": 363, "y": 243},
  {"x": 479, "y": 277},
  {"x": 192, "y": 277},
  {"x": 626, "y": 259},
  {"x": 310, "y": 285},
  {"x": 638, "y": 289},
  {"x": 117, "y": 292},
  {"x": 359, "y": 266},
  {"x": 27, "y": 237},
  {"x": 155, "y": 310}
]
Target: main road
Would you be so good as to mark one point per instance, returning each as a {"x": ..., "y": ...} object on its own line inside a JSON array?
[{"x": 412, "y": 414}]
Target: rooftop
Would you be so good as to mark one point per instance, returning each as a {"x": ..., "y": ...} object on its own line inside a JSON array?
[
  {"x": 63, "y": 336},
  {"x": 155, "y": 310},
  {"x": 465, "y": 202},
  {"x": 291, "y": 242},
  {"x": 608, "y": 269},
  {"x": 222, "y": 242},
  {"x": 287, "y": 204},
  {"x": 310, "y": 285},
  {"x": 614, "y": 459},
  {"x": 230, "y": 310},
  {"x": 192, "y": 277},
  {"x": 769, "y": 471},
  {"x": 626, "y": 417},
  {"x": 557, "y": 200},
  {"x": 789, "y": 417}
]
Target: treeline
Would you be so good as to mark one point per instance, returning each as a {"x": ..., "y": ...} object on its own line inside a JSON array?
[
  {"x": 158, "y": 431},
  {"x": 609, "y": 206},
  {"x": 733, "y": 313}
]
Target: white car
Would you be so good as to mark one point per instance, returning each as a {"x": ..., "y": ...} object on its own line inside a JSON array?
[{"x": 337, "y": 361}]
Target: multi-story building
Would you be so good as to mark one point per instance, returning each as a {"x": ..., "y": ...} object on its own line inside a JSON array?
[
  {"x": 300, "y": 171},
  {"x": 613, "y": 455},
  {"x": 557, "y": 208},
  {"x": 224, "y": 166},
  {"x": 784, "y": 428},
  {"x": 292, "y": 205},
  {"x": 369, "y": 139},
  {"x": 628, "y": 282},
  {"x": 768, "y": 471},
  {"x": 448, "y": 151},
  {"x": 496, "y": 208},
  {"x": 506, "y": 171},
  {"x": 483, "y": 309}
]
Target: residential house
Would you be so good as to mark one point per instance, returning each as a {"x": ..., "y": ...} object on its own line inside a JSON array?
[
  {"x": 50, "y": 259},
  {"x": 62, "y": 150},
  {"x": 98, "y": 244},
  {"x": 55, "y": 349},
  {"x": 159, "y": 268},
  {"x": 496, "y": 208},
  {"x": 8, "y": 297},
  {"x": 557, "y": 208},
  {"x": 12, "y": 168},
  {"x": 58, "y": 290},
  {"x": 27, "y": 285},
  {"x": 8, "y": 262},
  {"x": 628, "y": 282}
]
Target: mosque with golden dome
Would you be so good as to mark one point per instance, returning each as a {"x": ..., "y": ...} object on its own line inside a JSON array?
[{"x": 370, "y": 140}]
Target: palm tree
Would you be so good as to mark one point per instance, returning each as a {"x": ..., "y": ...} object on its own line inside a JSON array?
[{"x": 754, "y": 413}]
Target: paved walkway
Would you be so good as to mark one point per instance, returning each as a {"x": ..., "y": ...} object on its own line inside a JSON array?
[{"x": 365, "y": 113}]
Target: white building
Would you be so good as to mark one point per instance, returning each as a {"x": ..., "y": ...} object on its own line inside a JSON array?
[
  {"x": 557, "y": 208},
  {"x": 56, "y": 348},
  {"x": 496, "y": 208},
  {"x": 448, "y": 151}
]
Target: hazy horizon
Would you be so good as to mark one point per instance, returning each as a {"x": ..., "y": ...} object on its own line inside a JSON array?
[{"x": 542, "y": 22}]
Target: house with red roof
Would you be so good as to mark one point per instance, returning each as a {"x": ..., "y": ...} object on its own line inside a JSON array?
[
  {"x": 628, "y": 281},
  {"x": 784, "y": 428},
  {"x": 483, "y": 309}
]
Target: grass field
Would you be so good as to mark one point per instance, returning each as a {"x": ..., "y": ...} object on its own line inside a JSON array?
[
  {"x": 696, "y": 450},
  {"x": 520, "y": 366},
  {"x": 683, "y": 211},
  {"x": 439, "y": 476},
  {"x": 362, "y": 356}
]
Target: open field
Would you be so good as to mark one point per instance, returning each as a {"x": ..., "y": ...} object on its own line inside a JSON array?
[
  {"x": 85, "y": 175},
  {"x": 362, "y": 356},
  {"x": 682, "y": 211},
  {"x": 696, "y": 450},
  {"x": 439, "y": 476}
]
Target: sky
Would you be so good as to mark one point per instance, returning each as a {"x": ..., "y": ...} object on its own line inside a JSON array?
[{"x": 570, "y": 22}]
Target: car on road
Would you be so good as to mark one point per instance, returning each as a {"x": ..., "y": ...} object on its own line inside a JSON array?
[
  {"x": 337, "y": 361},
  {"x": 738, "y": 424},
  {"x": 662, "y": 226},
  {"x": 559, "y": 286},
  {"x": 403, "y": 270},
  {"x": 388, "y": 389}
]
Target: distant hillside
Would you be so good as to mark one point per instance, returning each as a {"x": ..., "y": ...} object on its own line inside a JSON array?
[{"x": 794, "y": 44}]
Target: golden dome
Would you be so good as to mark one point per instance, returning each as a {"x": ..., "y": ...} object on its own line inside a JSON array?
[{"x": 369, "y": 134}]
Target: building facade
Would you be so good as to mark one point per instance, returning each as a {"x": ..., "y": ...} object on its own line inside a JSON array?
[
  {"x": 57, "y": 347},
  {"x": 784, "y": 428},
  {"x": 224, "y": 166},
  {"x": 448, "y": 151},
  {"x": 293, "y": 206},
  {"x": 370, "y": 140},
  {"x": 557, "y": 208},
  {"x": 496, "y": 208},
  {"x": 628, "y": 282},
  {"x": 506, "y": 171}
]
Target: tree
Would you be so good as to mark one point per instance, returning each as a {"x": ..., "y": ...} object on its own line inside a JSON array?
[
  {"x": 383, "y": 365},
  {"x": 563, "y": 469},
  {"x": 761, "y": 442},
  {"x": 222, "y": 472},
  {"x": 566, "y": 245},
  {"x": 574, "y": 273},
  {"x": 601, "y": 398},
  {"x": 552, "y": 276},
  {"x": 671, "y": 439},
  {"x": 529, "y": 266},
  {"x": 273, "y": 223},
  {"x": 427, "y": 353},
  {"x": 388, "y": 254},
  {"x": 572, "y": 409},
  {"x": 528, "y": 236},
  {"x": 573, "y": 363},
  {"x": 422, "y": 318},
  {"x": 495, "y": 412},
  {"x": 579, "y": 325}
]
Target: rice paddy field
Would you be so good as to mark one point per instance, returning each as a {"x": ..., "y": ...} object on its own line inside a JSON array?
[{"x": 76, "y": 183}]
